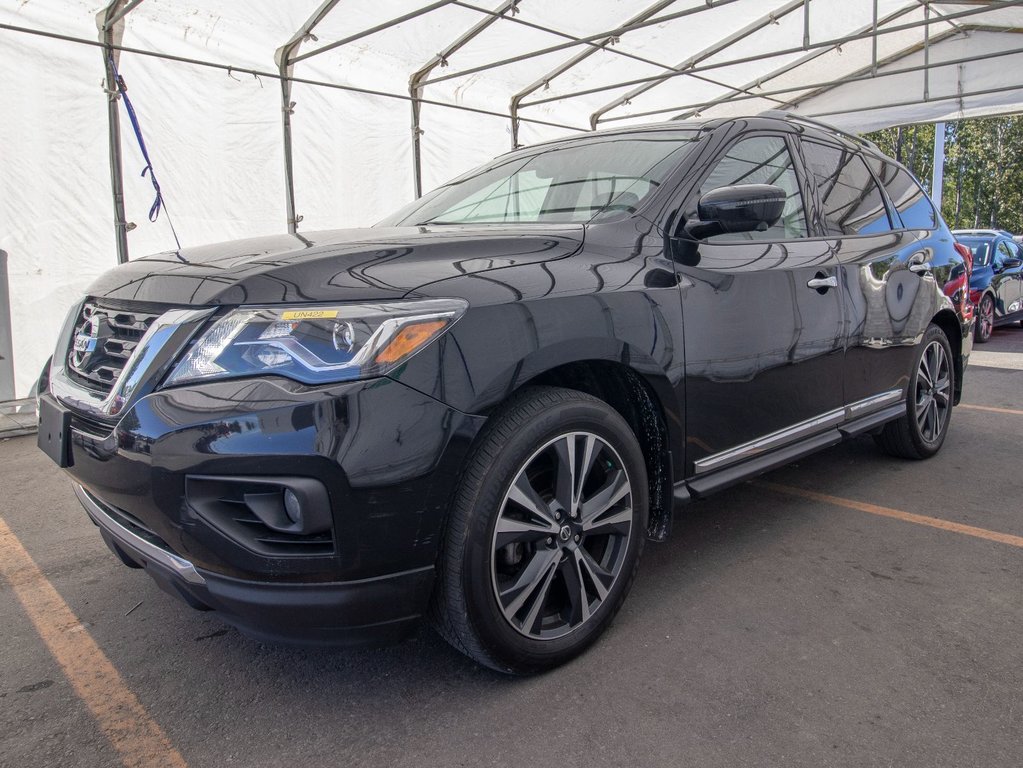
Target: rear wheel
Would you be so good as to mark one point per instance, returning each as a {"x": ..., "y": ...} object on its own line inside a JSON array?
[
  {"x": 920, "y": 433},
  {"x": 985, "y": 319},
  {"x": 545, "y": 533}
]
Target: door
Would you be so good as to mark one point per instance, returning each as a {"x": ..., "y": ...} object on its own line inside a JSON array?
[
  {"x": 761, "y": 321},
  {"x": 1006, "y": 280},
  {"x": 889, "y": 266}
]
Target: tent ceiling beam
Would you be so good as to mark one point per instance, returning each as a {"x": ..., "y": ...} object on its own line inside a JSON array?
[
  {"x": 823, "y": 86},
  {"x": 712, "y": 50},
  {"x": 565, "y": 66},
  {"x": 618, "y": 32},
  {"x": 832, "y": 43},
  {"x": 373, "y": 30},
  {"x": 776, "y": 73}
]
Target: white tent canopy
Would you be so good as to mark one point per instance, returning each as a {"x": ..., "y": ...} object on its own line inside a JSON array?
[{"x": 262, "y": 116}]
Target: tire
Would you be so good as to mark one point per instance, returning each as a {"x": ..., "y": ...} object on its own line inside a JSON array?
[
  {"x": 517, "y": 520},
  {"x": 985, "y": 319},
  {"x": 920, "y": 433}
]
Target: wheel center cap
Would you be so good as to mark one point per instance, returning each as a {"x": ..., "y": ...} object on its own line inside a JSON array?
[{"x": 565, "y": 533}]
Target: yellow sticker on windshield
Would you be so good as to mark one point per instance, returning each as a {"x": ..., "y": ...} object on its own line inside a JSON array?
[{"x": 308, "y": 314}]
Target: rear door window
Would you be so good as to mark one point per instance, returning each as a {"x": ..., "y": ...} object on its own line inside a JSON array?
[{"x": 851, "y": 202}]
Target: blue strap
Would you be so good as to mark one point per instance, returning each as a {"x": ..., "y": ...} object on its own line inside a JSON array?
[{"x": 158, "y": 203}]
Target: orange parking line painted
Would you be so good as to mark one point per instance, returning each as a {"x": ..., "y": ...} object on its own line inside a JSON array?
[
  {"x": 898, "y": 514},
  {"x": 990, "y": 409},
  {"x": 136, "y": 737}
]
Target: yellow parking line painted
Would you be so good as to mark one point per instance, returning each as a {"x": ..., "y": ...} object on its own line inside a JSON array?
[
  {"x": 139, "y": 741},
  {"x": 990, "y": 409},
  {"x": 898, "y": 514}
]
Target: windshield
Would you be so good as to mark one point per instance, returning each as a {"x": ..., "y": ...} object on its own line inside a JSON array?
[
  {"x": 981, "y": 251},
  {"x": 560, "y": 184}
]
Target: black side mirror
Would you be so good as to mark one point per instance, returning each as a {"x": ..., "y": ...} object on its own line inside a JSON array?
[
  {"x": 1012, "y": 263},
  {"x": 742, "y": 208}
]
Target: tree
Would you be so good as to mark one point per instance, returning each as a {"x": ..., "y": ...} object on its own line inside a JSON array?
[{"x": 983, "y": 184}]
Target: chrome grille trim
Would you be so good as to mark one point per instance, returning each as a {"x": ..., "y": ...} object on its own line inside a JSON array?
[{"x": 144, "y": 365}]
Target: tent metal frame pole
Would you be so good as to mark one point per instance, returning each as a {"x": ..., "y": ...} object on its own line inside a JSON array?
[
  {"x": 870, "y": 72},
  {"x": 110, "y": 22},
  {"x": 283, "y": 56},
  {"x": 891, "y": 73},
  {"x": 233, "y": 70},
  {"x": 617, "y": 32},
  {"x": 774, "y": 74},
  {"x": 859, "y": 78},
  {"x": 721, "y": 45},
  {"x": 415, "y": 87},
  {"x": 564, "y": 67},
  {"x": 833, "y": 43},
  {"x": 910, "y": 102},
  {"x": 373, "y": 30}
]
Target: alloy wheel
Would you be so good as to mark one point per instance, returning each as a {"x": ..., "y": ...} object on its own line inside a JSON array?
[
  {"x": 933, "y": 392},
  {"x": 986, "y": 321},
  {"x": 561, "y": 536}
]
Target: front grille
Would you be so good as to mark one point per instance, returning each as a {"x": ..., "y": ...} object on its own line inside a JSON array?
[{"x": 104, "y": 338}]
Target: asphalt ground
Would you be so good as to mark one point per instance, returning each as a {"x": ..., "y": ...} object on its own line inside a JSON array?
[{"x": 851, "y": 610}]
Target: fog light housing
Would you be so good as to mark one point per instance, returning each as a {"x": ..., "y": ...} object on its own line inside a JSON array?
[{"x": 293, "y": 507}]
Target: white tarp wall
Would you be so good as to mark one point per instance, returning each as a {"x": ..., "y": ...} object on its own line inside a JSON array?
[{"x": 215, "y": 136}]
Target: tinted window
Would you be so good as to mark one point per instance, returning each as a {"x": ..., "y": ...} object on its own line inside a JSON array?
[
  {"x": 1001, "y": 254},
  {"x": 761, "y": 160},
  {"x": 980, "y": 250},
  {"x": 850, "y": 198},
  {"x": 563, "y": 183},
  {"x": 909, "y": 199}
]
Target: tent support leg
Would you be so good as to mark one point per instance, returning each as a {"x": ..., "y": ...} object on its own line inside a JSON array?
[
  {"x": 110, "y": 22},
  {"x": 416, "y": 84},
  {"x": 289, "y": 163},
  {"x": 285, "y": 59},
  {"x": 938, "y": 173}
]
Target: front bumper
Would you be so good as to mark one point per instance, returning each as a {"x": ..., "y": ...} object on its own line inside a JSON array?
[
  {"x": 387, "y": 456},
  {"x": 376, "y": 610}
]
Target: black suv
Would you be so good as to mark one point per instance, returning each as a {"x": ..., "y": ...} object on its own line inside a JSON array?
[{"x": 480, "y": 408}]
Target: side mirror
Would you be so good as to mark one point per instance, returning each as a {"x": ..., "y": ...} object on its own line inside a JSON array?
[
  {"x": 1012, "y": 263},
  {"x": 742, "y": 208}
]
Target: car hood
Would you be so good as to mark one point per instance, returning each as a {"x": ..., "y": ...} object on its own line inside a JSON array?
[{"x": 337, "y": 265}]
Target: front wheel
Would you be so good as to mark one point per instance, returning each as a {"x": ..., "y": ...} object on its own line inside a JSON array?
[
  {"x": 920, "y": 433},
  {"x": 545, "y": 533},
  {"x": 985, "y": 319}
]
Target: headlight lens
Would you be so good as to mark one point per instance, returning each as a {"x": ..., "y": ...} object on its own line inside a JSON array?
[{"x": 316, "y": 344}]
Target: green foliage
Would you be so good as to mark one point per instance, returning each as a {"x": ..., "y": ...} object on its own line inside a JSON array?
[{"x": 983, "y": 184}]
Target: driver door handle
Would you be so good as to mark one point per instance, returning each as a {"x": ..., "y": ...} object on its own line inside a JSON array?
[{"x": 822, "y": 283}]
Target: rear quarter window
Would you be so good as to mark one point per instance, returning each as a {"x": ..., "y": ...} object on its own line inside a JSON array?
[{"x": 908, "y": 197}]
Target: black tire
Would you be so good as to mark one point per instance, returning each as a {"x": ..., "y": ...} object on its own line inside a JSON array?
[
  {"x": 920, "y": 433},
  {"x": 531, "y": 441},
  {"x": 985, "y": 319}
]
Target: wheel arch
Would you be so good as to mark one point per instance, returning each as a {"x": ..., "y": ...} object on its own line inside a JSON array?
[
  {"x": 640, "y": 400},
  {"x": 948, "y": 322}
]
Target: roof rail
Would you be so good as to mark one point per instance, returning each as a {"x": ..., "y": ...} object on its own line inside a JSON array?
[{"x": 792, "y": 118}]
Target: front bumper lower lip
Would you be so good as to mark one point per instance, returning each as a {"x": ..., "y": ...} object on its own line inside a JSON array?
[{"x": 177, "y": 565}]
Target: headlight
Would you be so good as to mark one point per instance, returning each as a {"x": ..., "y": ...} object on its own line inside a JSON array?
[{"x": 316, "y": 344}]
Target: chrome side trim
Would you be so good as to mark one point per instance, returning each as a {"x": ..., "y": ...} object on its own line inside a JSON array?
[
  {"x": 862, "y": 407},
  {"x": 796, "y": 432},
  {"x": 158, "y": 347},
  {"x": 178, "y": 565},
  {"x": 772, "y": 440}
]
